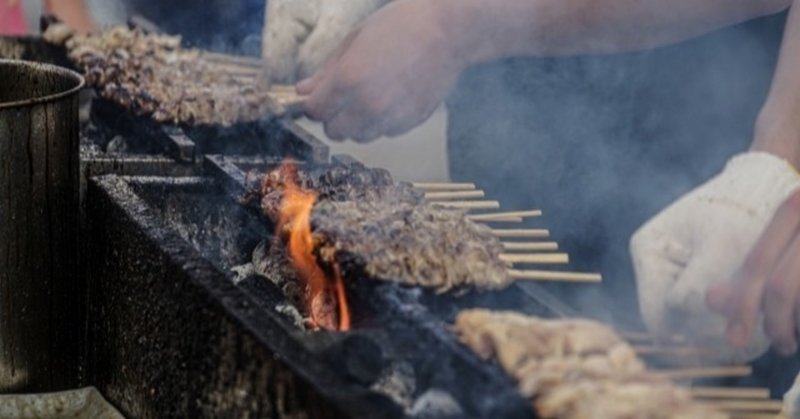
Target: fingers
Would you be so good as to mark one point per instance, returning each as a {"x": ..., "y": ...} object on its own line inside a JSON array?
[
  {"x": 780, "y": 301},
  {"x": 782, "y": 289},
  {"x": 749, "y": 296},
  {"x": 718, "y": 297}
]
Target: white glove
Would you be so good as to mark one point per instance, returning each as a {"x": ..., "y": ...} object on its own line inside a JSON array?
[
  {"x": 299, "y": 35},
  {"x": 703, "y": 239},
  {"x": 791, "y": 400}
]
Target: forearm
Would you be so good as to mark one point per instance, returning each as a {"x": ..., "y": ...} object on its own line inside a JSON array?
[
  {"x": 72, "y": 12},
  {"x": 778, "y": 125},
  {"x": 486, "y": 30}
]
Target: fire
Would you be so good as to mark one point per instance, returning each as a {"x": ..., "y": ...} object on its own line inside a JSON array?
[{"x": 323, "y": 293}]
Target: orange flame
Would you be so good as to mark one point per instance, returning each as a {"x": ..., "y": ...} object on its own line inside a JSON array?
[{"x": 323, "y": 294}]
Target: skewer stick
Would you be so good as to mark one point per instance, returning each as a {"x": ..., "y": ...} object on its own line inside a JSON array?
[
  {"x": 555, "y": 276},
  {"x": 291, "y": 102},
  {"x": 673, "y": 351},
  {"x": 444, "y": 186},
  {"x": 536, "y": 258},
  {"x": 740, "y": 415},
  {"x": 504, "y": 215},
  {"x": 504, "y": 220},
  {"x": 445, "y": 196},
  {"x": 704, "y": 372},
  {"x": 523, "y": 233},
  {"x": 730, "y": 393},
  {"x": 644, "y": 337},
  {"x": 762, "y": 406},
  {"x": 469, "y": 204},
  {"x": 530, "y": 246}
]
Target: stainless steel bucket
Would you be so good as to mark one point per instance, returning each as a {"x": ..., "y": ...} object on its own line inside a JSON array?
[{"x": 41, "y": 291}]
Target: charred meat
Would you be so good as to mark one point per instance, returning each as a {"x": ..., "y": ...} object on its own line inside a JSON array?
[
  {"x": 153, "y": 75},
  {"x": 417, "y": 245},
  {"x": 339, "y": 183},
  {"x": 367, "y": 224},
  {"x": 574, "y": 368}
]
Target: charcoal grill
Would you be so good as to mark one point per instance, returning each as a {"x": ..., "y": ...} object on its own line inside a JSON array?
[
  {"x": 162, "y": 287},
  {"x": 173, "y": 331}
]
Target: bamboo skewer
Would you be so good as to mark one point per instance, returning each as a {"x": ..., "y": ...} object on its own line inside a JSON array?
[
  {"x": 530, "y": 246},
  {"x": 536, "y": 258},
  {"x": 469, "y": 204},
  {"x": 644, "y": 337},
  {"x": 762, "y": 406},
  {"x": 740, "y": 415},
  {"x": 505, "y": 215},
  {"x": 555, "y": 276},
  {"x": 729, "y": 393},
  {"x": 445, "y": 196},
  {"x": 430, "y": 186},
  {"x": 674, "y": 351},
  {"x": 704, "y": 372},
  {"x": 504, "y": 220},
  {"x": 521, "y": 233}
]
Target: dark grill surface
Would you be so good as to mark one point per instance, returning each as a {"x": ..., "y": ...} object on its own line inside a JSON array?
[{"x": 175, "y": 328}]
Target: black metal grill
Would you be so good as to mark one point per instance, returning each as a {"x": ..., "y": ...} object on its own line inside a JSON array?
[{"x": 171, "y": 331}]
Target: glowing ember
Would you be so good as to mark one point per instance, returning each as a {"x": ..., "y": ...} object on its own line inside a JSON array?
[{"x": 323, "y": 293}]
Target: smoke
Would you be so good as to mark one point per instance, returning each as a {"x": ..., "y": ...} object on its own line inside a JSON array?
[
  {"x": 602, "y": 143},
  {"x": 231, "y": 26}
]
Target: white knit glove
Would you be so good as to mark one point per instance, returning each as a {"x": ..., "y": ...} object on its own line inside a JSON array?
[
  {"x": 299, "y": 35},
  {"x": 703, "y": 239},
  {"x": 791, "y": 400}
]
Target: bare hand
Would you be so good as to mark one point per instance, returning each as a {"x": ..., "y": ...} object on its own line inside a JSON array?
[
  {"x": 768, "y": 284},
  {"x": 387, "y": 77}
]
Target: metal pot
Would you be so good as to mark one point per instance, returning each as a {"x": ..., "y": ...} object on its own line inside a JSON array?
[{"x": 41, "y": 291}]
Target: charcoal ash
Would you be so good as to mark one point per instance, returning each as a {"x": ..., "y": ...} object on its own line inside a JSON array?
[{"x": 436, "y": 404}]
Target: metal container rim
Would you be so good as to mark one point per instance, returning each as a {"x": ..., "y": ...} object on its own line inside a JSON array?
[{"x": 48, "y": 68}]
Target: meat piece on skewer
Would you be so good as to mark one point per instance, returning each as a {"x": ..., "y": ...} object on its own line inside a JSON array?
[
  {"x": 417, "y": 245},
  {"x": 371, "y": 226},
  {"x": 575, "y": 369},
  {"x": 354, "y": 182},
  {"x": 153, "y": 75}
]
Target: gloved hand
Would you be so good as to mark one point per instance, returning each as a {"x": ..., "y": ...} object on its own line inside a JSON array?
[
  {"x": 702, "y": 240},
  {"x": 299, "y": 35},
  {"x": 791, "y": 400}
]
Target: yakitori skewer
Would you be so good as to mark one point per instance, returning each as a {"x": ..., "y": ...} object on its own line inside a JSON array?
[
  {"x": 505, "y": 215},
  {"x": 554, "y": 276},
  {"x": 530, "y": 246},
  {"x": 444, "y": 186},
  {"x": 446, "y": 196},
  {"x": 705, "y": 372},
  {"x": 536, "y": 258},
  {"x": 751, "y": 393},
  {"x": 521, "y": 233}
]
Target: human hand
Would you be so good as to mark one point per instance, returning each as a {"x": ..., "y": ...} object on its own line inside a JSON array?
[
  {"x": 767, "y": 285},
  {"x": 299, "y": 36},
  {"x": 702, "y": 239},
  {"x": 387, "y": 77}
]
